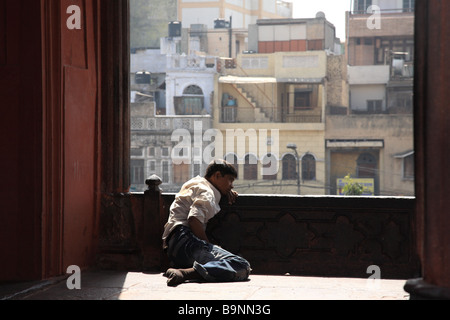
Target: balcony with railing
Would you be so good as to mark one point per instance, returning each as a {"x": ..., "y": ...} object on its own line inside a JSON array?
[
  {"x": 166, "y": 124},
  {"x": 361, "y": 11},
  {"x": 184, "y": 62},
  {"x": 234, "y": 114},
  {"x": 267, "y": 101}
]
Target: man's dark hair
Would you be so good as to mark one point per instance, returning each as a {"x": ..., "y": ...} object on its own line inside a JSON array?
[{"x": 222, "y": 166}]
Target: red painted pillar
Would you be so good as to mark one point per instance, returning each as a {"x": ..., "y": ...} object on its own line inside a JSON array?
[
  {"x": 432, "y": 131},
  {"x": 20, "y": 140}
]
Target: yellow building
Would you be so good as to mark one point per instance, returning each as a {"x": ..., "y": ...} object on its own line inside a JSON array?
[
  {"x": 264, "y": 105},
  {"x": 270, "y": 106}
]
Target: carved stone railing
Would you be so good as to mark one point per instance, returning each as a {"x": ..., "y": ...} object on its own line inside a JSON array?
[
  {"x": 320, "y": 236},
  {"x": 309, "y": 236},
  {"x": 131, "y": 226}
]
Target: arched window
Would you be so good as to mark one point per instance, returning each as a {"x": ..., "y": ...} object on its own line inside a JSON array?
[
  {"x": 191, "y": 103},
  {"x": 289, "y": 167},
  {"x": 250, "y": 167},
  {"x": 232, "y": 158},
  {"x": 308, "y": 167},
  {"x": 270, "y": 167},
  {"x": 193, "y": 90},
  {"x": 366, "y": 166}
]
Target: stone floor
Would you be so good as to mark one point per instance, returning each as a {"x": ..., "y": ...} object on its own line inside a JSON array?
[{"x": 106, "y": 285}]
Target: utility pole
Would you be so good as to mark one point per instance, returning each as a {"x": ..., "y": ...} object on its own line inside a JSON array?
[{"x": 231, "y": 38}]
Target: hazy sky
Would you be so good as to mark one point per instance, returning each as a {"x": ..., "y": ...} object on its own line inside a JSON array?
[{"x": 334, "y": 11}]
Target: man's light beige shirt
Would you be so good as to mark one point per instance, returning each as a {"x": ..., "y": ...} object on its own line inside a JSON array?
[{"x": 197, "y": 198}]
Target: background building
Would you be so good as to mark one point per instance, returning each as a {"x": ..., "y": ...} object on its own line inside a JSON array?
[
  {"x": 281, "y": 91},
  {"x": 175, "y": 93},
  {"x": 375, "y": 140},
  {"x": 346, "y": 113},
  {"x": 380, "y": 58},
  {"x": 308, "y": 34},
  {"x": 243, "y": 13}
]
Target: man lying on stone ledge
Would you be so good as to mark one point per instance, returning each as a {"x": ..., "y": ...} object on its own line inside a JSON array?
[{"x": 185, "y": 242}]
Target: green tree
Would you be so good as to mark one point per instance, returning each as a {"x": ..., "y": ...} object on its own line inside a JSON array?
[
  {"x": 352, "y": 188},
  {"x": 149, "y": 21}
]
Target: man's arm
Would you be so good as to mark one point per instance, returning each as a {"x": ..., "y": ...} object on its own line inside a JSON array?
[{"x": 197, "y": 229}]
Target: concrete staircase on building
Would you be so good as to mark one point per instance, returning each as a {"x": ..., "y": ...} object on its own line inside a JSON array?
[{"x": 260, "y": 115}]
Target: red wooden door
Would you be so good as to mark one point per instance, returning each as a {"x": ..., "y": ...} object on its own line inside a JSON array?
[{"x": 80, "y": 107}]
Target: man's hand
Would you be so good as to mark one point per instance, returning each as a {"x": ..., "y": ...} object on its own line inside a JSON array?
[{"x": 232, "y": 196}]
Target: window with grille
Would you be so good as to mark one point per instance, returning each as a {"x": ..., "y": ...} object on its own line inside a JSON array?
[
  {"x": 362, "y": 5},
  {"x": 165, "y": 172},
  {"x": 250, "y": 168},
  {"x": 309, "y": 167},
  {"x": 289, "y": 167},
  {"x": 302, "y": 99},
  {"x": 232, "y": 158},
  {"x": 408, "y": 5},
  {"x": 137, "y": 171},
  {"x": 191, "y": 103},
  {"x": 269, "y": 163},
  {"x": 374, "y": 106},
  {"x": 367, "y": 166}
]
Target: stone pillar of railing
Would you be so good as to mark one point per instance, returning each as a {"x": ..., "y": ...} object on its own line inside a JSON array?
[{"x": 154, "y": 220}]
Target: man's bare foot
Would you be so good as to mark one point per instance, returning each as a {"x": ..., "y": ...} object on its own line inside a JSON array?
[{"x": 178, "y": 276}]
